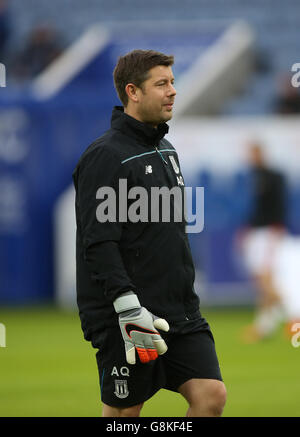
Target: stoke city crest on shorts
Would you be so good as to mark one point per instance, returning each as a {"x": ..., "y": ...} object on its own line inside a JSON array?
[{"x": 121, "y": 388}]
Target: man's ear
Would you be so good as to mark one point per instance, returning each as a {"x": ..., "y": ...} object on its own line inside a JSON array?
[{"x": 132, "y": 92}]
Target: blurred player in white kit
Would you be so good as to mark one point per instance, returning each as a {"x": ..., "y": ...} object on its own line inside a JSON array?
[{"x": 271, "y": 255}]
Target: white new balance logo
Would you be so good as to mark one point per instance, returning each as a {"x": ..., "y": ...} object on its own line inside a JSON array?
[{"x": 148, "y": 169}]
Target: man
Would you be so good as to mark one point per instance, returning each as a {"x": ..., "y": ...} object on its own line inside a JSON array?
[
  {"x": 261, "y": 240},
  {"x": 135, "y": 277}
]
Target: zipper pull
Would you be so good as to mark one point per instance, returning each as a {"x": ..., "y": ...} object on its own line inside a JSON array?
[{"x": 161, "y": 156}]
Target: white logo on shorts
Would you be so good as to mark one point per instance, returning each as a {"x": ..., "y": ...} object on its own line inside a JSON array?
[
  {"x": 121, "y": 388},
  {"x": 124, "y": 371}
]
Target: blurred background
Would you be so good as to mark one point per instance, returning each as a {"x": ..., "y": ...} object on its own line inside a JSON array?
[{"x": 237, "y": 91}]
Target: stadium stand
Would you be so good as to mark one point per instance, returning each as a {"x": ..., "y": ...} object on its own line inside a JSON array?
[{"x": 275, "y": 24}]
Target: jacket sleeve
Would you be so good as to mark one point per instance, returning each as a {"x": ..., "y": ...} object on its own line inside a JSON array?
[{"x": 101, "y": 229}]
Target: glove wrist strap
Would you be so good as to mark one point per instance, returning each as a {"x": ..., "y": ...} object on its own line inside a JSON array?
[{"x": 126, "y": 302}]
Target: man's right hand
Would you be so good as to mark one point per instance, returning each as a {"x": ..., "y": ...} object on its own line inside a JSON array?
[{"x": 137, "y": 326}]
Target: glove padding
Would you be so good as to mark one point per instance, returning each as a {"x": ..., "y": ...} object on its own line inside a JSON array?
[
  {"x": 137, "y": 326},
  {"x": 138, "y": 332}
]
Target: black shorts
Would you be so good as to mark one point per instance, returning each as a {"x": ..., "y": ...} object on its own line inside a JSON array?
[{"x": 189, "y": 355}]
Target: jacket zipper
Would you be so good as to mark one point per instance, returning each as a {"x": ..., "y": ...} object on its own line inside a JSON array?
[{"x": 161, "y": 156}]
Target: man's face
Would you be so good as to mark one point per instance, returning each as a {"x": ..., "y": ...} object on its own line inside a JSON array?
[
  {"x": 156, "y": 96},
  {"x": 256, "y": 156}
]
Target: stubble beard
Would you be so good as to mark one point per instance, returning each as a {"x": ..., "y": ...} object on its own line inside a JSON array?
[{"x": 155, "y": 119}]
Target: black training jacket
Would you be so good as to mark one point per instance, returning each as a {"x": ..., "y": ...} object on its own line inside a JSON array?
[{"x": 151, "y": 258}]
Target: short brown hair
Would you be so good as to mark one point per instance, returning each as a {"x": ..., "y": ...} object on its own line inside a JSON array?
[{"x": 134, "y": 68}]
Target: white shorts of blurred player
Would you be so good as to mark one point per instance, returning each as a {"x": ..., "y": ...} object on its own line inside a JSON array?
[
  {"x": 286, "y": 275},
  {"x": 259, "y": 249},
  {"x": 267, "y": 250}
]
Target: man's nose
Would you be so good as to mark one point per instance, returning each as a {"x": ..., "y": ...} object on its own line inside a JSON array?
[{"x": 172, "y": 90}]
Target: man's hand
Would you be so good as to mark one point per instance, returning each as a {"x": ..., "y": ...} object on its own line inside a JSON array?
[{"x": 137, "y": 326}]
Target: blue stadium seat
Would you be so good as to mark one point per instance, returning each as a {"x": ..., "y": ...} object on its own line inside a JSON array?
[{"x": 276, "y": 25}]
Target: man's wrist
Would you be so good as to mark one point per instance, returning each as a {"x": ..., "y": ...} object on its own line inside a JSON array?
[{"x": 125, "y": 302}]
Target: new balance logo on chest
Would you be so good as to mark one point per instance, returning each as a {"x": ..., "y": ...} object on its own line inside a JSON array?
[{"x": 148, "y": 169}]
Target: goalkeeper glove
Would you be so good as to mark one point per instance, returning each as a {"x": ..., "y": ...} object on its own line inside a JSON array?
[{"x": 137, "y": 326}]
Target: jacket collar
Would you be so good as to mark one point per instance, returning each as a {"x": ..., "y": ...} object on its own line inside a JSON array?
[{"x": 142, "y": 132}]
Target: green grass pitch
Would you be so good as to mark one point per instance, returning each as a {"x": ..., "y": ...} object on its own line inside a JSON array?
[{"x": 47, "y": 369}]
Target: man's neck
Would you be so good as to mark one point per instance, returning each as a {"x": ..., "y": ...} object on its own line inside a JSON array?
[{"x": 135, "y": 115}]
